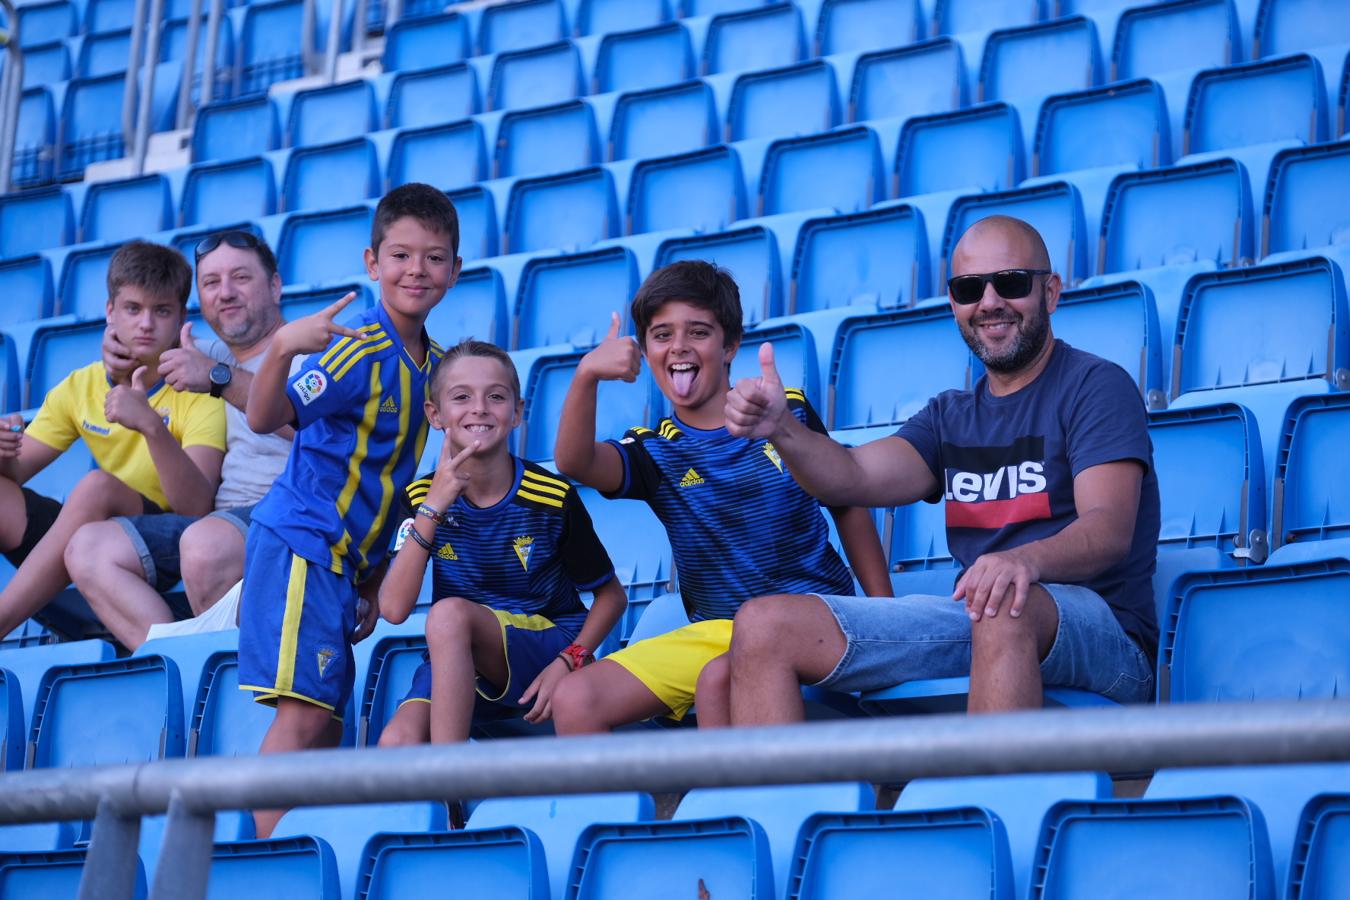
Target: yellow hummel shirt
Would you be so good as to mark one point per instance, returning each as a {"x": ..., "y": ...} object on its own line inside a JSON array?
[{"x": 74, "y": 409}]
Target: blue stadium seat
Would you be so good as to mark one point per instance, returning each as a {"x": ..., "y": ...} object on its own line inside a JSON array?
[
  {"x": 27, "y": 665},
  {"x": 47, "y": 64},
  {"x": 231, "y": 129},
  {"x": 1256, "y": 103},
  {"x": 568, "y": 212},
  {"x": 214, "y": 193},
  {"x": 516, "y": 26},
  {"x": 638, "y": 60},
  {"x": 1319, "y": 866},
  {"x": 173, "y": 46},
  {"x": 42, "y": 23},
  {"x": 978, "y": 148},
  {"x": 269, "y": 45},
  {"x": 715, "y": 7},
  {"x": 477, "y": 309},
  {"x": 959, "y": 16},
  {"x": 448, "y": 156},
  {"x": 107, "y": 15},
  {"x": 421, "y": 42},
  {"x": 619, "y": 405},
  {"x": 852, "y": 26},
  {"x": 649, "y": 618},
  {"x": 840, "y": 170},
  {"x": 35, "y": 220},
  {"x": 795, "y": 355},
  {"x": 327, "y": 175},
  {"x": 1306, "y": 198},
  {"x": 53, "y": 873},
  {"x": 879, "y": 256},
  {"x": 53, "y": 347},
  {"x": 665, "y": 120},
  {"x": 130, "y": 208},
  {"x": 334, "y": 112},
  {"x": 297, "y": 302},
  {"x": 1034, "y": 61},
  {"x": 292, "y": 867},
  {"x": 799, "y": 99},
  {"x": 28, "y": 279},
  {"x": 760, "y": 38},
  {"x": 91, "y": 124},
  {"x": 568, "y": 299},
  {"x": 1287, "y": 26},
  {"x": 920, "y": 79},
  {"x": 1180, "y": 214},
  {"x": 13, "y": 729},
  {"x": 82, "y": 288},
  {"x": 750, "y": 253},
  {"x": 1054, "y": 208},
  {"x": 935, "y": 359},
  {"x": 547, "y": 139},
  {"x": 1310, "y": 511},
  {"x": 637, "y": 545},
  {"x": 225, "y": 720},
  {"x": 432, "y": 96},
  {"x": 101, "y": 54},
  {"x": 1118, "y": 125},
  {"x": 394, "y": 658},
  {"x": 1343, "y": 126},
  {"x": 323, "y": 246},
  {"x": 481, "y": 862},
  {"x": 703, "y": 190},
  {"x": 1118, "y": 322},
  {"x": 1179, "y": 34},
  {"x": 604, "y": 16},
  {"x": 11, "y": 383},
  {"x": 539, "y": 75},
  {"x": 477, "y": 222},
  {"x": 34, "y": 139}
]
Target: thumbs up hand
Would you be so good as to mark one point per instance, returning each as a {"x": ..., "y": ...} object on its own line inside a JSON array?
[
  {"x": 615, "y": 359},
  {"x": 185, "y": 367},
  {"x": 129, "y": 405},
  {"x": 756, "y": 407}
]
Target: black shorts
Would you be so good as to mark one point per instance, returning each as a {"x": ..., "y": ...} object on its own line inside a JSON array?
[{"x": 41, "y": 512}]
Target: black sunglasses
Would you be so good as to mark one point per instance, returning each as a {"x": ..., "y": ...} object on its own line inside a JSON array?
[
  {"x": 242, "y": 240},
  {"x": 1010, "y": 284}
]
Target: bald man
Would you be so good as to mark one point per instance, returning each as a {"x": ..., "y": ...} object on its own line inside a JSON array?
[{"x": 1052, "y": 512}]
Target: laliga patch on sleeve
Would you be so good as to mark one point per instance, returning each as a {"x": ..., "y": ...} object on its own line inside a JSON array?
[
  {"x": 402, "y": 535},
  {"x": 310, "y": 386}
]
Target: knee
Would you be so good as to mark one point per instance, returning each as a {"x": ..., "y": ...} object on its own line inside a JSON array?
[
  {"x": 1006, "y": 633},
  {"x": 760, "y": 625},
  {"x": 396, "y": 734},
  {"x": 574, "y": 699},
  {"x": 202, "y": 554},
  {"x": 448, "y": 621},
  {"x": 93, "y": 548},
  {"x": 95, "y": 491},
  {"x": 715, "y": 679}
]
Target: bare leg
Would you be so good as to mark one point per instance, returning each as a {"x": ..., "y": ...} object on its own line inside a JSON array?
[
  {"x": 1006, "y": 654},
  {"x": 211, "y": 553},
  {"x": 298, "y": 726},
  {"x": 712, "y": 696},
  {"x": 13, "y": 515},
  {"x": 465, "y": 640},
  {"x": 411, "y": 724},
  {"x": 104, "y": 565},
  {"x": 601, "y": 697},
  {"x": 778, "y": 644}
]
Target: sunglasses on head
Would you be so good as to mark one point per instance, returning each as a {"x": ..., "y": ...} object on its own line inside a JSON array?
[
  {"x": 242, "y": 240},
  {"x": 1010, "y": 284}
]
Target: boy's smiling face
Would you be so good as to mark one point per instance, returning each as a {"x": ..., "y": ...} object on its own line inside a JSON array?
[
  {"x": 685, "y": 350},
  {"x": 414, "y": 267},
  {"x": 474, "y": 401}
]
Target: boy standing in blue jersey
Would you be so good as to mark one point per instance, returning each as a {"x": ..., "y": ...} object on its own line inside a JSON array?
[
  {"x": 736, "y": 519},
  {"x": 322, "y": 532}
]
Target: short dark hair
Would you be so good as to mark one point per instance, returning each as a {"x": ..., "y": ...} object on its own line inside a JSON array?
[
  {"x": 471, "y": 347},
  {"x": 155, "y": 268},
  {"x": 696, "y": 282},
  {"x": 422, "y": 202},
  {"x": 243, "y": 240}
]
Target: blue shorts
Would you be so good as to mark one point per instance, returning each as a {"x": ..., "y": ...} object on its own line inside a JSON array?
[
  {"x": 155, "y": 538},
  {"x": 529, "y": 642},
  {"x": 296, "y": 621},
  {"x": 892, "y": 640}
]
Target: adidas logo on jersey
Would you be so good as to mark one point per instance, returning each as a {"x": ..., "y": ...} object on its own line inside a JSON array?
[
  {"x": 388, "y": 406},
  {"x": 447, "y": 552},
  {"x": 690, "y": 479}
]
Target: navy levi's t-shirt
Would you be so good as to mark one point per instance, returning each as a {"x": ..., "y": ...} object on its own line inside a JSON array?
[{"x": 1007, "y": 464}]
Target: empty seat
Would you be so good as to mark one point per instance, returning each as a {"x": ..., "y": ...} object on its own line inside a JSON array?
[
  {"x": 637, "y": 60},
  {"x": 323, "y": 246},
  {"x": 54, "y": 346},
  {"x": 52, "y": 873},
  {"x": 839, "y": 169},
  {"x": 977, "y": 148},
  {"x": 1307, "y": 507},
  {"x": 1319, "y": 866},
  {"x": 800, "y": 99},
  {"x": 935, "y": 358},
  {"x": 921, "y": 79},
  {"x": 958, "y": 16},
  {"x": 547, "y": 74},
  {"x": 107, "y": 15},
  {"x": 173, "y": 46},
  {"x": 47, "y": 64},
  {"x": 91, "y": 124},
  {"x": 518, "y": 25},
  {"x": 302, "y": 301},
  {"x": 28, "y": 281},
  {"x": 761, "y": 38},
  {"x": 859, "y": 25},
  {"x": 421, "y": 42},
  {"x": 1287, "y": 26},
  {"x": 1055, "y": 209},
  {"x": 715, "y": 7},
  {"x": 547, "y": 139},
  {"x": 231, "y": 129},
  {"x": 1181, "y": 214},
  {"x": 225, "y": 720},
  {"x": 35, "y": 220},
  {"x": 569, "y": 211},
  {"x": 26, "y": 666},
  {"x": 447, "y": 156},
  {"x": 878, "y": 256},
  {"x": 1179, "y": 34},
  {"x": 1307, "y": 198},
  {"x": 82, "y": 286},
  {"x": 478, "y": 310},
  {"x": 1256, "y": 103},
  {"x": 347, "y": 829},
  {"x": 794, "y": 355},
  {"x": 42, "y": 23},
  {"x": 1117, "y": 322},
  {"x": 269, "y": 44},
  {"x": 749, "y": 253},
  {"x": 619, "y": 405},
  {"x": 568, "y": 299},
  {"x": 1119, "y": 125},
  {"x": 432, "y": 96},
  {"x": 664, "y": 120},
  {"x": 120, "y": 210},
  {"x": 637, "y": 544},
  {"x": 101, "y": 54},
  {"x": 332, "y": 113},
  {"x": 293, "y": 867},
  {"x": 216, "y": 193},
  {"x": 328, "y": 175},
  {"x": 34, "y": 139},
  {"x": 1035, "y": 61},
  {"x": 702, "y": 190},
  {"x": 477, "y": 222},
  {"x": 604, "y": 16},
  {"x": 13, "y": 728}
]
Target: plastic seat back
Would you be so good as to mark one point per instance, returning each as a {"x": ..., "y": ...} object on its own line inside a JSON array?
[
  {"x": 534, "y": 77},
  {"x": 34, "y": 139},
  {"x": 221, "y": 192},
  {"x": 1118, "y": 322},
  {"x": 323, "y": 246},
  {"x": 603, "y": 16},
  {"x": 877, "y": 256},
  {"x": 478, "y": 237},
  {"x": 702, "y": 190},
  {"x": 1320, "y": 865},
  {"x": 1054, "y": 209},
  {"x": 292, "y": 867},
  {"x": 425, "y": 41},
  {"x": 1120, "y": 125},
  {"x": 569, "y": 212},
  {"x": 1256, "y": 103},
  {"x": 1034, "y": 61},
  {"x": 478, "y": 311},
  {"x": 663, "y": 121},
  {"x": 225, "y": 720},
  {"x": 83, "y": 286},
  {"x": 1307, "y": 504},
  {"x": 35, "y": 220},
  {"x": 800, "y": 99},
  {"x": 1307, "y": 198},
  {"x": 979, "y": 148},
  {"x": 119, "y": 210},
  {"x": 334, "y": 112},
  {"x": 568, "y": 299},
  {"x": 637, "y": 544},
  {"x": 42, "y": 23},
  {"x": 448, "y": 156},
  {"x": 848, "y": 26},
  {"x": 104, "y": 54},
  {"x": 959, "y": 16},
  {"x": 328, "y": 175},
  {"x": 91, "y": 124},
  {"x": 640, "y": 60},
  {"x": 749, "y": 253},
  {"x": 1180, "y": 34},
  {"x": 232, "y": 129},
  {"x": 269, "y": 45},
  {"x": 432, "y": 96},
  {"x": 839, "y": 169},
  {"x": 760, "y": 38},
  {"x": 619, "y": 405},
  {"x": 28, "y": 279},
  {"x": 50, "y": 874},
  {"x": 1286, "y": 26},
  {"x": 921, "y": 79},
  {"x": 545, "y": 140},
  {"x": 393, "y": 661},
  {"x": 515, "y": 26}
]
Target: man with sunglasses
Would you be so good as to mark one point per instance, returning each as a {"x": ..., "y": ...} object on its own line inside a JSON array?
[
  {"x": 1051, "y": 506},
  {"x": 125, "y": 566}
]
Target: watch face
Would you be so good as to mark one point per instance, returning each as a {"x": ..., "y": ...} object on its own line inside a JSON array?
[{"x": 220, "y": 374}]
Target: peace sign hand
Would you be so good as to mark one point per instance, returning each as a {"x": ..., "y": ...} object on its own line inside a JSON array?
[{"x": 449, "y": 480}]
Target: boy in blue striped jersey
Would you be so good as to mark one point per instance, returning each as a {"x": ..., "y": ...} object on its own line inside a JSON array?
[
  {"x": 321, "y": 534},
  {"x": 736, "y": 519}
]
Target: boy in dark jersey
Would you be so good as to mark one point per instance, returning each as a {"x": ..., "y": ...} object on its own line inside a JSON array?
[
  {"x": 324, "y": 527},
  {"x": 738, "y": 523},
  {"x": 511, "y": 545}
]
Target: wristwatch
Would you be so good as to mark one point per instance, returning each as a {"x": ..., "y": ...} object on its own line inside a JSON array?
[{"x": 221, "y": 375}]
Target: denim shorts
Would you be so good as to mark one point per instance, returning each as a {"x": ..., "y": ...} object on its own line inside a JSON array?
[
  {"x": 892, "y": 640},
  {"x": 155, "y": 538}
]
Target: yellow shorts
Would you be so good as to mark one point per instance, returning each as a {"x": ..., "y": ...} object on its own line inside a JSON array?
[{"x": 669, "y": 664}]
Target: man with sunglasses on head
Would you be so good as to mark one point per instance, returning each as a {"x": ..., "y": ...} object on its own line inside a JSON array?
[
  {"x": 1051, "y": 505},
  {"x": 125, "y": 566}
]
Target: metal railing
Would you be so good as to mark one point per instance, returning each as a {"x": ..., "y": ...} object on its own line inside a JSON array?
[
  {"x": 890, "y": 750},
  {"x": 11, "y": 95}
]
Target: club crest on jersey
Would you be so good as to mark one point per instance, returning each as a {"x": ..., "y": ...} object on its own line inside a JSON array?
[
  {"x": 690, "y": 479},
  {"x": 325, "y": 657},
  {"x": 310, "y": 386},
  {"x": 524, "y": 546},
  {"x": 447, "y": 552},
  {"x": 773, "y": 456},
  {"x": 389, "y": 406}
]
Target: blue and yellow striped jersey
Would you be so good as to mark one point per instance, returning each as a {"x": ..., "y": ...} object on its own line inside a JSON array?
[
  {"x": 360, "y": 429},
  {"x": 739, "y": 525},
  {"x": 529, "y": 554}
]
